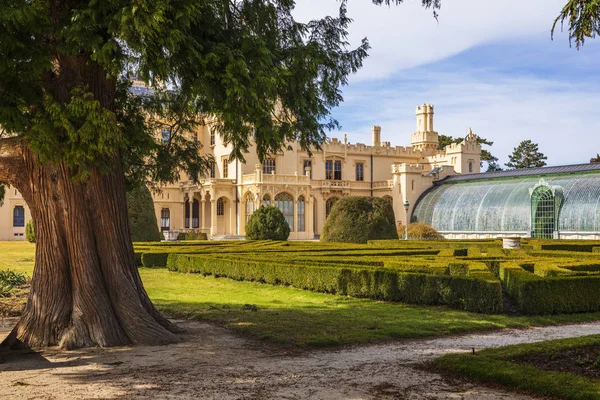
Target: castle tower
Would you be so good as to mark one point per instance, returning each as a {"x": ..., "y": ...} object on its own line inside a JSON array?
[
  {"x": 376, "y": 133},
  {"x": 425, "y": 139}
]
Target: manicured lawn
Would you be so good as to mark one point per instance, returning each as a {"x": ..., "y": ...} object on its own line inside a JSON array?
[
  {"x": 17, "y": 256},
  {"x": 506, "y": 366},
  {"x": 293, "y": 316}
]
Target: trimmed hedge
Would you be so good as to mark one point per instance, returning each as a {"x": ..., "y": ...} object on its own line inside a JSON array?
[
  {"x": 385, "y": 284},
  {"x": 550, "y": 295},
  {"x": 154, "y": 259}
]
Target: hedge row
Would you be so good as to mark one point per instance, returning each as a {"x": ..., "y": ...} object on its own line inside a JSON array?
[
  {"x": 377, "y": 283},
  {"x": 550, "y": 295}
]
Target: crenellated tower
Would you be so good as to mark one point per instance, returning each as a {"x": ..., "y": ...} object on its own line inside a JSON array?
[{"x": 425, "y": 138}]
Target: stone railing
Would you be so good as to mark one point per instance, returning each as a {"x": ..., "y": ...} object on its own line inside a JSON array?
[
  {"x": 277, "y": 179},
  {"x": 383, "y": 184}
]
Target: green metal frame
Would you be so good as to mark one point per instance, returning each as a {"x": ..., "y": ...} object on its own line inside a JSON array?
[{"x": 546, "y": 202}]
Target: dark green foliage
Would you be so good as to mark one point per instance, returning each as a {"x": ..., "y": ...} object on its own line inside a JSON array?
[
  {"x": 142, "y": 219},
  {"x": 583, "y": 19},
  {"x": 360, "y": 219},
  {"x": 526, "y": 155},
  {"x": 192, "y": 236},
  {"x": 267, "y": 223},
  {"x": 30, "y": 232},
  {"x": 422, "y": 231},
  {"x": 154, "y": 259}
]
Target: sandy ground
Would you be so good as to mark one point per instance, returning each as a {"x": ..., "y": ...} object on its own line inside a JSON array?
[{"x": 211, "y": 363}]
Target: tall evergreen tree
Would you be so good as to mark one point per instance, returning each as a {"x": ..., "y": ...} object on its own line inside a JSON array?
[
  {"x": 73, "y": 135},
  {"x": 526, "y": 155}
]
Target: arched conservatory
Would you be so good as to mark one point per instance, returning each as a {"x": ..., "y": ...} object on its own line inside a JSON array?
[{"x": 550, "y": 202}]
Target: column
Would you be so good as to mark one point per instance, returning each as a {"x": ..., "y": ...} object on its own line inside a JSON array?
[
  {"x": 190, "y": 202},
  {"x": 295, "y": 230},
  {"x": 232, "y": 217},
  {"x": 213, "y": 217},
  {"x": 310, "y": 223},
  {"x": 203, "y": 214}
]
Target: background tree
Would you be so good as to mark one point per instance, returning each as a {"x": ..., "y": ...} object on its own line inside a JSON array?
[
  {"x": 142, "y": 218},
  {"x": 526, "y": 155},
  {"x": 595, "y": 159},
  {"x": 73, "y": 135},
  {"x": 267, "y": 223}
]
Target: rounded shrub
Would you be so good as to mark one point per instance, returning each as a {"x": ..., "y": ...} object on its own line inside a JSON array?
[
  {"x": 30, "y": 232},
  {"x": 267, "y": 223},
  {"x": 420, "y": 230},
  {"x": 142, "y": 219},
  {"x": 359, "y": 219}
]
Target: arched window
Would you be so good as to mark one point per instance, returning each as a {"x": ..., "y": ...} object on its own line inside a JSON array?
[
  {"x": 249, "y": 206},
  {"x": 285, "y": 202},
  {"x": 266, "y": 200},
  {"x": 301, "y": 214},
  {"x": 165, "y": 219},
  {"x": 329, "y": 205},
  {"x": 19, "y": 216},
  {"x": 220, "y": 207},
  {"x": 196, "y": 214},
  {"x": 470, "y": 166},
  {"x": 269, "y": 166}
]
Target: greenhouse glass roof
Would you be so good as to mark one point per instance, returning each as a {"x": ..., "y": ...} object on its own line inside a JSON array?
[{"x": 501, "y": 201}]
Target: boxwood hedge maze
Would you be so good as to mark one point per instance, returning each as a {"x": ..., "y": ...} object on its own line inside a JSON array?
[{"x": 543, "y": 277}]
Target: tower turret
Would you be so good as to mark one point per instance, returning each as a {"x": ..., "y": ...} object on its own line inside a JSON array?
[{"x": 425, "y": 139}]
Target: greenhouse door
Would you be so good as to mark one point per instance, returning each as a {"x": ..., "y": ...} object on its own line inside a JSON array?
[{"x": 543, "y": 209}]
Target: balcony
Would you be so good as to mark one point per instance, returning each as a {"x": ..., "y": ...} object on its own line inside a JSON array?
[{"x": 275, "y": 179}]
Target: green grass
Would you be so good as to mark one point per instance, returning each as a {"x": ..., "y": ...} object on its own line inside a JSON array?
[
  {"x": 17, "y": 256},
  {"x": 494, "y": 366},
  {"x": 291, "y": 316}
]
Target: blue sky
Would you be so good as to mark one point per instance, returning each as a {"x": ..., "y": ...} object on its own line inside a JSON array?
[{"x": 489, "y": 67}]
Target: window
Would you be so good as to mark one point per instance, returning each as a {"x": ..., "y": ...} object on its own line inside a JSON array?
[
  {"x": 337, "y": 170},
  {"x": 285, "y": 202},
  {"x": 225, "y": 168},
  {"x": 269, "y": 166},
  {"x": 19, "y": 216},
  {"x": 196, "y": 214},
  {"x": 165, "y": 219},
  {"x": 187, "y": 214},
  {"x": 360, "y": 172},
  {"x": 333, "y": 170},
  {"x": 413, "y": 185},
  {"x": 307, "y": 165},
  {"x": 220, "y": 207},
  {"x": 165, "y": 135},
  {"x": 249, "y": 206},
  {"x": 212, "y": 169},
  {"x": 470, "y": 166},
  {"x": 329, "y": 205},
  {"x": 266, "y": 200},
  {"x": 195, "y": 137},
  {"x": 301, "y": 214},
  {"x": 212, "y": 137}
]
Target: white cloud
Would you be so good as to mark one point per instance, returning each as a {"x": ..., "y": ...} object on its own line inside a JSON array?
[
  {"x": 407, "y": 35},
  {"x": 561, "y": 116}
]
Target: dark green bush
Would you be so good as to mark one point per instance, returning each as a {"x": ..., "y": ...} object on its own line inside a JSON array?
[
  {"x": 154, "y": 259},
  {"x": 13, "y": 278},
  {"x": 142, "y": 219},
  {"x": 267, "y": 223},
  {"x": 360, "y": 219},
  {"x": 30, "y": 232}
]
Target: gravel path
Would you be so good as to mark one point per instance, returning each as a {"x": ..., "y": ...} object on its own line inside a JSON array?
[{"x": 211, "y": 363}]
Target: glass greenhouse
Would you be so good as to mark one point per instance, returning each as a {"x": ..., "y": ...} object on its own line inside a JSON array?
[{"x": 541, "y": 202}]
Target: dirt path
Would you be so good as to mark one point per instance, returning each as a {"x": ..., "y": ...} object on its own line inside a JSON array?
[{"x": 214, "y": 364}]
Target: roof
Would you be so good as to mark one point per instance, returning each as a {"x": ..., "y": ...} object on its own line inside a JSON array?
[{"x": 514, "y": 173}]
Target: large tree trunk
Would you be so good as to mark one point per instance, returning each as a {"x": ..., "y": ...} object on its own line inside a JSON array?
[{"x": 85, "y": 289}]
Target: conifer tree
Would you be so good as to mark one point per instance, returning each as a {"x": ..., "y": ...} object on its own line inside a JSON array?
[{"x": 526, "y": 155}]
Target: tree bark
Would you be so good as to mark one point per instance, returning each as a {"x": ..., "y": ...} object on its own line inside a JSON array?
[{"x": 85, "y": 289}]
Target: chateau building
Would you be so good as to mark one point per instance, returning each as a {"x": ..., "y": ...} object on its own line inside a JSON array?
[{"x": 303, "y": 186}]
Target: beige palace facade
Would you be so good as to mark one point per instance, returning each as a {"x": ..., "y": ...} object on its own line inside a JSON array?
[{"x": 303, "y": 186}]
